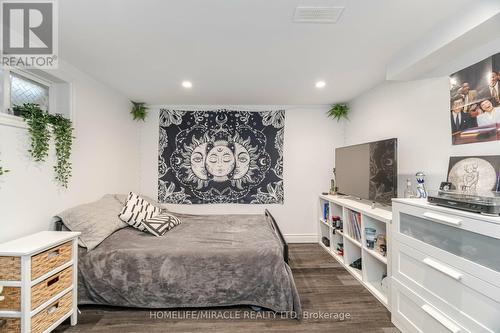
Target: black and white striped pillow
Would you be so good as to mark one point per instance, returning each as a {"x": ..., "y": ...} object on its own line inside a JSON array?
[
  {"x": 137, "y": 210},
  {"x": 160, "y": 224}
]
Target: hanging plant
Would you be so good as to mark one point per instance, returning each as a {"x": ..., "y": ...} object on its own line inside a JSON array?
[
  {"x": 3, "y": 171},
  {"x": 339, "y": 111},
  {"x": 63, "y": 136},
  {"x": 38, "y": 121},
  {"x": 139, "y": 110}
]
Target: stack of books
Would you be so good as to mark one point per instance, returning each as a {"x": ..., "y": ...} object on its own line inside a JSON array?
[{"x": 354, "y": 225}]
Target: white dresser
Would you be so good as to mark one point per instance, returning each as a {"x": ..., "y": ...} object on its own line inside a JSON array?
[
  {"x": 445, "y": 269},
  {"x": 38, "y": 278}
]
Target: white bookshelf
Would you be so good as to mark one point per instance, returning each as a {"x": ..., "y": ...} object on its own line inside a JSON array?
[{"x": 373, "y": 264}]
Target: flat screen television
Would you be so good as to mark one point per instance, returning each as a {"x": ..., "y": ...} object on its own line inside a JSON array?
[{"x": 368, "y": 171}]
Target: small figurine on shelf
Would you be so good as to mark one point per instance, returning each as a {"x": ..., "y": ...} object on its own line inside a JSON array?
[
  {"x": 333, "y": 184},
  {"x": 335, "y": 222},
  {"x": 340, "y": 249},
  {"x": 409, "y": 193},
  {"x": 380, "y": 244},
  {"x": 338, "y": 224},
  {"x": 421, "y": 191}
]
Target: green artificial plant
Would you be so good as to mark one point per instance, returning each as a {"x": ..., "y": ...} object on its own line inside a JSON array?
[
  {"x": 339, "y": 111},
  {"x": 139, "y": 110},
  {"x": 38, "y": 121},
  {"x": 62, "y": 128},
  {"x": 41, "y": 126}
]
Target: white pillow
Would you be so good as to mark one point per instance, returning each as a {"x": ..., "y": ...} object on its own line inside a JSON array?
[{"x": 136, "y": 210}]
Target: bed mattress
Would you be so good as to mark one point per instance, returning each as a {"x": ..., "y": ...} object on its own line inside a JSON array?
[{"x": 207, "y": 261}]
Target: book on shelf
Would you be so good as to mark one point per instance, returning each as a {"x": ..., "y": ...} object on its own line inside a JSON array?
[{"x": 326, "y": 211}]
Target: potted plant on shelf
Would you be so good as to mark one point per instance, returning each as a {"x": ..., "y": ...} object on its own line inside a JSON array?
[
  {"x": 17, "y": 110},
  {"x": 339, "y": 111}
]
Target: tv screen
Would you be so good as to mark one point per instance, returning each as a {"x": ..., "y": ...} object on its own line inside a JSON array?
[{"x": 368, "y": 171}]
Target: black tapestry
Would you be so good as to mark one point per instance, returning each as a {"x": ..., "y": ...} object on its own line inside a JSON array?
[{"x": 221, "y": 156}]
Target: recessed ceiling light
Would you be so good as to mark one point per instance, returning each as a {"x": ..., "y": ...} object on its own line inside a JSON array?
[
  {"x": 187, "y": 84},
  {"x": 320, "y": 84}
]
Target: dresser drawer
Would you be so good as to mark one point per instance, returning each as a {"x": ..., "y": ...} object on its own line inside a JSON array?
[
  {"x": 10, "y": 325},
  {"x": 52, "y": 313},
  {"x": 46, "y": 261},
  {"x": 411, "y": 313},
  {"x": 463, "y": 242},
  {"x": 10, "y": 268},
  {"x": 469, "y": 300},
  {"x": 12, "y": 299},
  {"x": 50, "y": 287},
  {"x": 40, "y": 293}
]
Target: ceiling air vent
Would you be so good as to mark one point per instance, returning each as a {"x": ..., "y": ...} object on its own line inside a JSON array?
[{"x": 317, "y": 14}]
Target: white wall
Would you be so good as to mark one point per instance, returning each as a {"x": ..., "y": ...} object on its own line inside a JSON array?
[
  {"x": 310, "y": 139},
  {"x": 417, "y": 113},
  {"x": 105, "y": 159}
]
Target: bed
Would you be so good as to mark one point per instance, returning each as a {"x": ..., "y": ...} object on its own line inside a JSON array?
[{"x": 207, "y": 261}]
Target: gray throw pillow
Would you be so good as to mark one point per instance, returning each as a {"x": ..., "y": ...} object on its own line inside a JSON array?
[{"x": 96, "y": 220}]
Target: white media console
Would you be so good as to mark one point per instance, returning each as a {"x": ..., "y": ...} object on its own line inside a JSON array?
[{"x": 374, "y": 265}]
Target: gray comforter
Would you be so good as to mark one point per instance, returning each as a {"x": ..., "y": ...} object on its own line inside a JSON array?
[{"x": 208, "y": 260}]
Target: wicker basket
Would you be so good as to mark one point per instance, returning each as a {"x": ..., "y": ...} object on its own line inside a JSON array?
[
  {"x": 48, "y": 260},
  {"x": 48, "y": 316},
  {"x": 12, "y": 301},
  {"x": 50, "y": 287},
  {"x": 10, "y": 268},
  {"x": 10, "y": 325}
]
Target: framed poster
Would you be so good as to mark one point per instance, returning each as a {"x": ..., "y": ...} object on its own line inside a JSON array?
[{"x": 475, "y": 102}]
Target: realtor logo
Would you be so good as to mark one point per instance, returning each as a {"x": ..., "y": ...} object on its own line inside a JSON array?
[{"x": 29, "y": 33}]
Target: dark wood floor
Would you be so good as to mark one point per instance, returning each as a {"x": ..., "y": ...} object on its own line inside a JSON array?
[{"x": 324, "y": 287}]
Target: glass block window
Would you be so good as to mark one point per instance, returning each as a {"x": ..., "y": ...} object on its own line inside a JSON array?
[{"x": 24, "y": 90}]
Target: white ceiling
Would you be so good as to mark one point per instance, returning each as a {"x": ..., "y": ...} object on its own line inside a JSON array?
[{"x": 241, "y": 51}]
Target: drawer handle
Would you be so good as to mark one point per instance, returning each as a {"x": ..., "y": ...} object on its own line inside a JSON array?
[
  {"x": 53, "y": 254},
  {"x": 442, "y": 219},
  {"x": 448, "y": 324},
  {"x": 52, "y": 281},
  {"x": 443, "y": 268},
  {"x": 53, "y": 308}
]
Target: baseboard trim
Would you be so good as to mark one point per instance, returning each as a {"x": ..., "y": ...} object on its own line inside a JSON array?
[{"x": 301, "y": 238}]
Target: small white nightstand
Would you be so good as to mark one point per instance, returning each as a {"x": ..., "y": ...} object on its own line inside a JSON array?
[{"x": 39, "y": 275}]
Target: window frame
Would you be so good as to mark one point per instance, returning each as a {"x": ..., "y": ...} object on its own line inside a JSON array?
[
  {"x": 6, "y": 115},
  {"x": 7, "y": 101}
]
